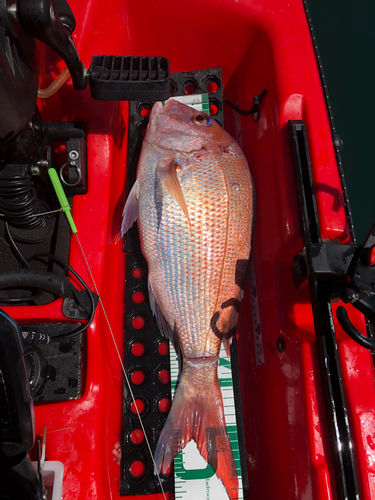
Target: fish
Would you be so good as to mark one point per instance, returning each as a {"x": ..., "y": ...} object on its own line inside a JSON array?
[{"x": 193, "y": 201}]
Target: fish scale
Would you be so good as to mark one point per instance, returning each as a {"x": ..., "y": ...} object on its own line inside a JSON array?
[{"x": 192, "y": 323}]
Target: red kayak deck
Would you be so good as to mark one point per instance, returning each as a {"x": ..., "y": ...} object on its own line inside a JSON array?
[{"x": 259, "y": 45}]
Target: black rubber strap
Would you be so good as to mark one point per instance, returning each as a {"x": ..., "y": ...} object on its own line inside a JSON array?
[{"x": 353, "y": 333}]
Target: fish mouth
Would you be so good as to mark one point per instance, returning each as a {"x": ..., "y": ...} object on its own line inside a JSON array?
[
  {"x": 157, "y": 108},
  {"x": 170, "y": 102},
  {"x": 173, "y": 107}
]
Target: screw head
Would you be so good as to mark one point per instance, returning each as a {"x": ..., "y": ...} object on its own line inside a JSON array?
[
  {"x": 73, "y": 154},
  {"x": 12, "y": 10},
  {"x": 52, "y": 13},
  {"x": 35, "y": 170},
  {"x": 280, "y": 343},
  {"x": 349, "y": 295},
  {"x": 43, "y": 163},
  {"x": 338, "y": 142}
]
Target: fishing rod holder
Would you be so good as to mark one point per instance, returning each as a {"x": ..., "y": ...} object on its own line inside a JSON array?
[
  {"x": 332, "y": 270},
  {"x": 349, "y": 274}
]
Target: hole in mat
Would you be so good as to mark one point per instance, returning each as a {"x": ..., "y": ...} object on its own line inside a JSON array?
[
  {"x": 137, "y": 469},
  {"x": 138, "y": 349},
  {"x": 137, "y": 436},
  {"x": 141, "y": 406},
  {"x": 138, "y": 322},
  {"x": 138, "y": 273},
  {"x": 190, "y": 86},
  {"x": 164, "y": 405},
  {"x": 137, "y": 377},
  {"x": 163, "y": 348},
  {"x": 138, "y": 296},
  {"x": 164, "y": 376}
]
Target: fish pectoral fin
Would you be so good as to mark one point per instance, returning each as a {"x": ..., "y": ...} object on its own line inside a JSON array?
[
  {"x": 169, "y": 179},
  {"x": 130, "y": 212}
]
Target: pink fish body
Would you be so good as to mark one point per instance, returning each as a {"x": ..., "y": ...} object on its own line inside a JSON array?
[{"x": 193, "y": 199}]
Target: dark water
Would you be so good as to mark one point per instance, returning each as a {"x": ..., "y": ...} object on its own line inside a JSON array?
[{"x": 345, "y": 32}]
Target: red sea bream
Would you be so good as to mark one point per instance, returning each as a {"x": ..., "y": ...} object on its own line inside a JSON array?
[{"x": 193, "y": 199}]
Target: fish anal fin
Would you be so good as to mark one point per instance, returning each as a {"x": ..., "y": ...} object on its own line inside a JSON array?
[
  {"x": 162, "y": 323},
  {"x": 130, "y": 212},
  {"x": 198, "y": 414}
]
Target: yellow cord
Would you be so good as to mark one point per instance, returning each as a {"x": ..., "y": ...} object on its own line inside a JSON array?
[{"x": 55, "y": 85}]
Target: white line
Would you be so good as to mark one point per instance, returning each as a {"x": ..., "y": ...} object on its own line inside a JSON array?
[{"x": 123, "y": 368}]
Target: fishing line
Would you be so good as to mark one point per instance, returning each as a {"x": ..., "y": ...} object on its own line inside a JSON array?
[
  {"x": 67, "y": 210},
  {"x": 2, "y": 239},
  {"x": 43, "y": 213},
  {"x": 15, "y": 247},
  {"x": 122, "y": 365}
]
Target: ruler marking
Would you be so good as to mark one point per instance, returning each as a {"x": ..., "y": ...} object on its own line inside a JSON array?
[{"x": 210, "y": 488}]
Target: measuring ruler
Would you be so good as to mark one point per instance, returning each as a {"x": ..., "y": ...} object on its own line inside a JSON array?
[
  {"x": 255, "y": 315},
  {"x": 194, "y": 478},
  {"x": 199, "y": 102}
]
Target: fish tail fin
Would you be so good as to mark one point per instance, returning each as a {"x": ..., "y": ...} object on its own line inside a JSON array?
[{"x": 197, "y": 413}]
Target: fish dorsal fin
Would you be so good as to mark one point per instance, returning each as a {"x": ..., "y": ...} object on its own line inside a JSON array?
[
  {"x": 130, "y": 212},
  {"x": 169, "y": 178}
]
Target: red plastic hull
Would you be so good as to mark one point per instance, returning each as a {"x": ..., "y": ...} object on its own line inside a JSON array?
[{"x": 259, "y": 45}]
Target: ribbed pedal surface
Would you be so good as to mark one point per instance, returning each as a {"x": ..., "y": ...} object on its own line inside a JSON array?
[{"x": 129, "y": 78}]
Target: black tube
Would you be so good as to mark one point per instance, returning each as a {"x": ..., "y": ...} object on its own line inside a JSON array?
[
  {"x": 353, "y": 333},
  {"x": 65, "y": 265}
]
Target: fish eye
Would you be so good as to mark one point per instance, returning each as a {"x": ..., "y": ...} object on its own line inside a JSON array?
[{"x": 201, "y": 119}]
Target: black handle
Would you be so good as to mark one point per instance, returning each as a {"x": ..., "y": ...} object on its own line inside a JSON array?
[
  {"x": 50, "y": 282},
  {"x": 41, "y": 20},
  {"x": 65, "y": 14},
  {"x": 353, "y": 333}
]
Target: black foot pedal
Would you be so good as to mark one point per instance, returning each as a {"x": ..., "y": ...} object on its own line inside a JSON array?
[{"x": 129, "y": 78}]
